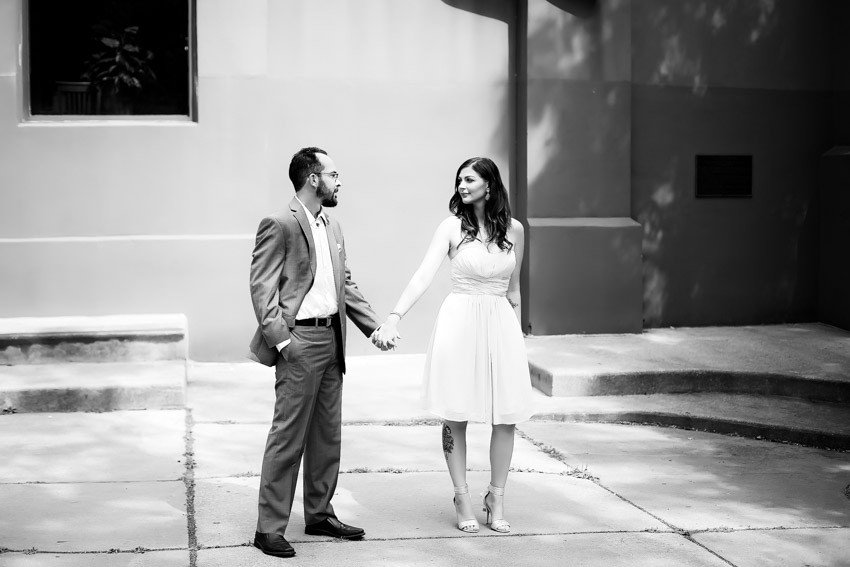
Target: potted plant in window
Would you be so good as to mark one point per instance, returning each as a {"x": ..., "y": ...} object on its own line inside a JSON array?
[{"x": 119, "y": 67}]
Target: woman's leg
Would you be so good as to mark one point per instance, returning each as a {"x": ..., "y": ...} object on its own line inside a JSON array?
[
  {"x": 454, "y": 449},
  {"x": 501, "y": 451}
]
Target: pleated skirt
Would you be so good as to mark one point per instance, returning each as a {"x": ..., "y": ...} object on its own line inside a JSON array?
[{"x": 476, "y": 366}]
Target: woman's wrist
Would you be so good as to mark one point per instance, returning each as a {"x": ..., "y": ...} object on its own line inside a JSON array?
[{"x": 395, "y": 316}]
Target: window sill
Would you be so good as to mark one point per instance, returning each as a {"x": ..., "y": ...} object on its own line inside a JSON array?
[{"x": 107, "y": 121}]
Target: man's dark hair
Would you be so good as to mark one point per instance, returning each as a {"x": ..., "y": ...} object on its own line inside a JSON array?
[{"x": 303, "y": 163}]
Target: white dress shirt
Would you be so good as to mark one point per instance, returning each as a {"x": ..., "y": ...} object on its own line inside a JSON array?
[{"x": 321, "y": 300}]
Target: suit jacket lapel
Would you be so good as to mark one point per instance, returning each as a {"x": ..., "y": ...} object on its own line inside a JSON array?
[
  {"x": 334, "y": 249},
  {"x": 301, "y": 217}
]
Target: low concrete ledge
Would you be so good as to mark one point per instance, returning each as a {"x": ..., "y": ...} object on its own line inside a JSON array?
[
  {"x": 803, "y": 360},
  {"x": 775, "y": 418},
  {"x": 725, "y": 426},
  {"x": 687, "y": 381},
  {"x": 71, "y": 387},
  {"x": 110, "y": 338}
]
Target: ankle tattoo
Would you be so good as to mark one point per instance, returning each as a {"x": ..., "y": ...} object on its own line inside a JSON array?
[{"x": 448, "y": 440}]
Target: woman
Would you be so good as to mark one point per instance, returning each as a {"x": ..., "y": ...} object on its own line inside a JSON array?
[{"x": 476, "y": 367}]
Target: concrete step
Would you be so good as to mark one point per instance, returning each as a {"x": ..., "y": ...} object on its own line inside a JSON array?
[
  {"x": 775, "y": 418},
  {"x": 807, "y": 360},
  {"x": 109, "y": 338},
  {"x": 84, "y": 386},
  {"x": 687, "y": 381}
]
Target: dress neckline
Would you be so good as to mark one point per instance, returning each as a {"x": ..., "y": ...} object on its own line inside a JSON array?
[{"x": 461, "y": 248}]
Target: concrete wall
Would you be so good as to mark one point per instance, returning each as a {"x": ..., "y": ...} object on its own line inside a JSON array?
[
  {"x": 834, "y": 181},
  {"x": 584, "y": 250},
  {"x": 729, "y": 77},
  {"x": 141, "y": 217},
  {"x": 615, "y": 98},
  {"x": 840, "y": 55},
  {"x": 834, "y": 273}
]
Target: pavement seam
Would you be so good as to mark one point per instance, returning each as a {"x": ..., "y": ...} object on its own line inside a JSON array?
[
  {"x": 393, "y": 470},
  {"x": 51, "y": 482},
  {"x": 688, "y": 537},
  {"x": 138, "y": 550},
  {"x": 559, "y": 456},
  {"x": 331, "y": 540},
  {"x": 427, "y": 538},
  {"x": 765, "y": 529},
  {"x": 354, "y": 422},
  {"x": 189, "y": 481}
]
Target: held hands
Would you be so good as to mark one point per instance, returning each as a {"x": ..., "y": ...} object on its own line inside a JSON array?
[{"x": 386, "y": 336}]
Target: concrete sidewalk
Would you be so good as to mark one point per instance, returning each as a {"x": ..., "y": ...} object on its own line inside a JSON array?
[{"x": 179, "y": 487}]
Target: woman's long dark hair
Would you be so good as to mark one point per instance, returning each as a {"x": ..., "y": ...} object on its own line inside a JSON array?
[{"x": 497, "y": 209}]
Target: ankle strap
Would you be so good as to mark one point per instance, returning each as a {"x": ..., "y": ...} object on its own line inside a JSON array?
[
  {"x": 496, "y": 490},
  {"x": 462, "y": 489}
]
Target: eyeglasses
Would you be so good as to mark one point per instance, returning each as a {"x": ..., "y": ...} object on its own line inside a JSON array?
[{"x": 333, "y": 174}]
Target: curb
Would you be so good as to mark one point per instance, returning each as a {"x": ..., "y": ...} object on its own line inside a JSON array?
[
  {"x": 92, "y": 399},
  {"x": 689, "y": 381},
  {"x": 106, "y": 338},
  {"x": 769, "y": 432},
  {"x": 93, "y": 387}
]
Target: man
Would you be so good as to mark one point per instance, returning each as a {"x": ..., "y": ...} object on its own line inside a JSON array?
[{"x": 301, "y": 289}]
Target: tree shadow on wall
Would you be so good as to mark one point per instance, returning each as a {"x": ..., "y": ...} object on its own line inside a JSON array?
[
  {"x": 578, "y": 109},
  {"x": 580, "y": 72},
  {"x": 678, "y": 39},
  {"x": 724, "y": 261},
  {"x": 597, "y": 148}
]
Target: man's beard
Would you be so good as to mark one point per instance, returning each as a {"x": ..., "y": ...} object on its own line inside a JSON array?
[{"x": 326, "y": 195}]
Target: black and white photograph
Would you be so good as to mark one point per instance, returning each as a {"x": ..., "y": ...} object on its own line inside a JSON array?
[{"x": 495, "y": 283}]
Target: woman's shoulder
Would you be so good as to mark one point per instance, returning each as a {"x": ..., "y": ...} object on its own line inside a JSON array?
[
  {"x": 449, "y": 223},
  {"x": 516, "y": 226}
]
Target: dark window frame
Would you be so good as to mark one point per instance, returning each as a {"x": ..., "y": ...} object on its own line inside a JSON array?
[
  {"x": 707, "y": 195},
  {"x": 26, "y": 115}
]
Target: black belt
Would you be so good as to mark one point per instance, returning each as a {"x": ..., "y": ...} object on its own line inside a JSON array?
[{"x": 317, "y": 321}]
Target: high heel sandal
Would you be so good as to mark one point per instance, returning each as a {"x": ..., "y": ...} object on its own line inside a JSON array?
[
  {"x": 469, "y": 526},
  {"x": 500, "y": 525}
]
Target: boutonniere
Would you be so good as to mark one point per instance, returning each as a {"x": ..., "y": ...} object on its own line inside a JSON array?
[{"x": 338, "y": 247}]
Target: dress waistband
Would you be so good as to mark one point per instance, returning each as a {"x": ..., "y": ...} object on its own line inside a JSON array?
[{"x": 466, "y": 291}]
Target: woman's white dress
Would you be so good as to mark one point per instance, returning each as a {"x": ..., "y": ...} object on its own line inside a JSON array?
[{"x": 476, "y": 367}]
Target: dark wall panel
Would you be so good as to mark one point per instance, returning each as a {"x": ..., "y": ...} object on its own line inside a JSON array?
[{"x": 728, "y": 261}]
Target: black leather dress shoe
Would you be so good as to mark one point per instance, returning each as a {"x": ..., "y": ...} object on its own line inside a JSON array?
[
  {"x": 273, "y": 544},
  {"x": 334, "y": 528}
]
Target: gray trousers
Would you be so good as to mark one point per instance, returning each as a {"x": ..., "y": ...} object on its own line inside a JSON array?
[{"x": 307, "y": 421}]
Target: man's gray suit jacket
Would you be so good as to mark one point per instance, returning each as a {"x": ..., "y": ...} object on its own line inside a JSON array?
[{"x": 283, "y": 267}]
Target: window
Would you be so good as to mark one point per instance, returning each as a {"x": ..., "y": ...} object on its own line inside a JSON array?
[
  {"x": 110, "y": 57},
  {"x": 724, "y": 176}
]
